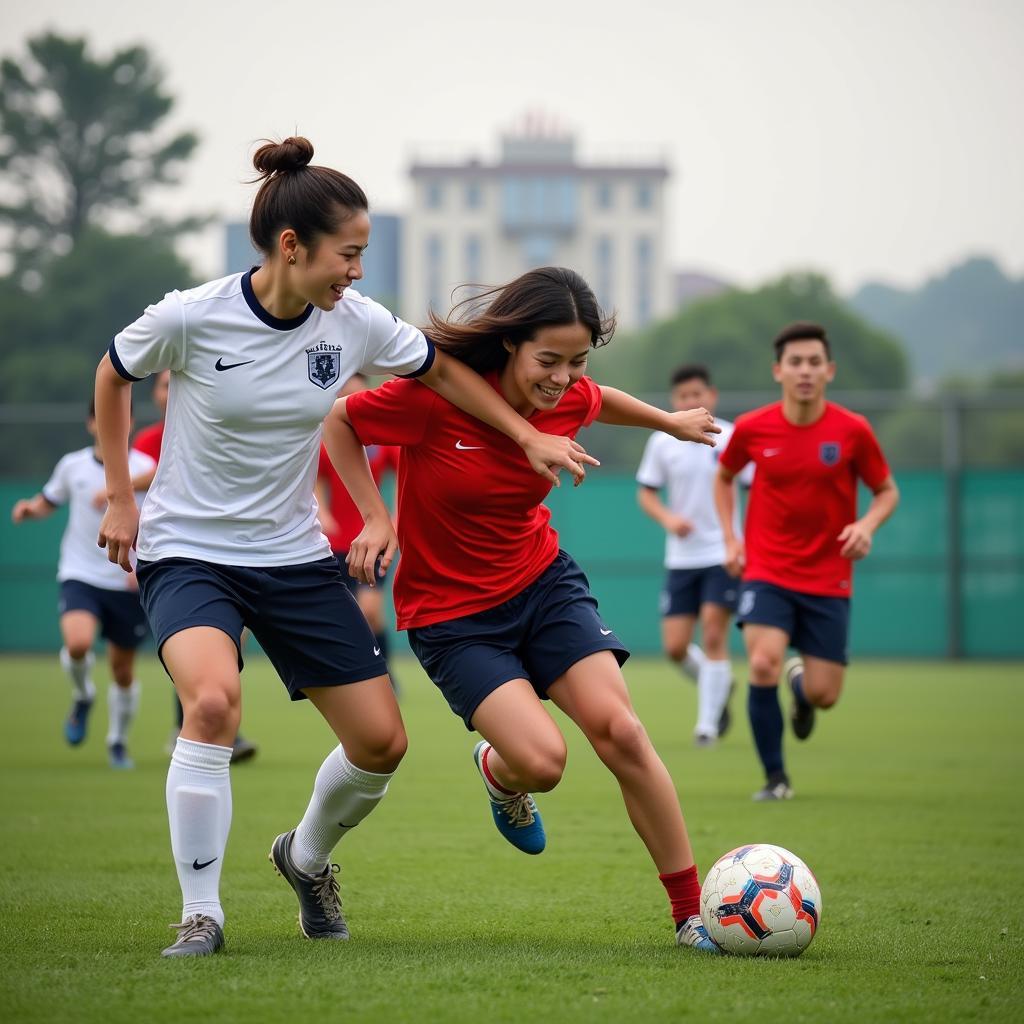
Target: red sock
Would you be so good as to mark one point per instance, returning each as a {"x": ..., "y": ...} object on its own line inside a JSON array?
[
  {"x": 683, "y": 893},
  {"x": 489, "y": 775}
]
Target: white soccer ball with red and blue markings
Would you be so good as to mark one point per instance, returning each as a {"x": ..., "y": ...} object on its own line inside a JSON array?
[{"x": 761, "y": 900}]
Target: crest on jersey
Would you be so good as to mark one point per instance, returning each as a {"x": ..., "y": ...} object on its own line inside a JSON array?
[
  {"x": 324, "y": 365},
  {"x": 830, "y": 452}
]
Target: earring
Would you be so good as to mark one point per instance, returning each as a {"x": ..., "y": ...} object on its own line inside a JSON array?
[{"x": 291, "y": 260}]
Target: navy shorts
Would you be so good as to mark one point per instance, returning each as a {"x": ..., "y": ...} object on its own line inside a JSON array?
[
  {"x": 351, "y": 582},
  {"x": 686, "y": 590},
  {"x": 818, "y": 626},
  {"x": 303, "y": 616},
  {"x": 538, "y": 635},
  {"x": 122, "y": 620}
]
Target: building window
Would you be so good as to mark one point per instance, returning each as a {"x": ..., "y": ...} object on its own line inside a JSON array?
[
  {"x": 605, "y": 195},
  {"x": 538, "y": 250},
  {"x": 644, "y": 195},
  {"x": 538, "y": 201},
  {"x": 644, "y": 262},
  {"x": 435, "y": 195},
  {"x": 474, "y": 259},
  {"x": 474, "y": 195},
  {"x": 604, "y": 257},
  {"x": 435, "y": 256}
]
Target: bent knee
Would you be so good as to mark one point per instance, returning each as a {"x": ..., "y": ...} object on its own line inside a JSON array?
[
  {"x": 381, "y": 752},
  {"x": 539, "y": 771},
  {"x": 765, "y": 667},
  {"x": 212, "y": 710},
  {"x": 624, "y": 739},
  {"x": 826, "y": 701}
]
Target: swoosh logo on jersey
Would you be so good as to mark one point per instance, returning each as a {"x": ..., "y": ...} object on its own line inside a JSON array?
[
  {"x": 196, "y": 866},
  {"x": 376, "y": 652},
  {"x": 468, "y": 447},
  {"x": 769, "y": 452},
  {"x": 605, "y": 632},
  {"x": 221, "y": 366}
]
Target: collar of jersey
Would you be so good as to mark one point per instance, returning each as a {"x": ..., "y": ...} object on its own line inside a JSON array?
[{"x": 260, "y": 313}]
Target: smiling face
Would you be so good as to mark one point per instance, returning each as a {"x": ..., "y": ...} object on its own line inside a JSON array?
[
  {"x": 804, "y": 371},
  {"x": 539, "y": 371},
  {"x": 321, "y": 273}
]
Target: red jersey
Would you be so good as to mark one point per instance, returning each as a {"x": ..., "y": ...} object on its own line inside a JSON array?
[
  {"x": 383, "y": 459},
  {"x": 471, "y": 525},
  {"x": 149, "y": 440},
  {"x": 804, "y": 493}
]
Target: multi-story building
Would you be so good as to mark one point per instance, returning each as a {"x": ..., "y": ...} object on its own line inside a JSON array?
[{"x": 485, "y": 223}]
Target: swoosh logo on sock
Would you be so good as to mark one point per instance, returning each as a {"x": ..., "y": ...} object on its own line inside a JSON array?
[
  {"x": 196, "y": 866},
  {"x": 342, "y": 824}
]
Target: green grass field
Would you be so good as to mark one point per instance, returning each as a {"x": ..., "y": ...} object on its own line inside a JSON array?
[{"x": 909, "y": 810}]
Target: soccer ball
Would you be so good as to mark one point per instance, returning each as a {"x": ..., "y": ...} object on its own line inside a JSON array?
[{"x": 761, "y": 900}]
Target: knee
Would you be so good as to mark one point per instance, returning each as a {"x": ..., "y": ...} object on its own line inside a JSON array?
[
  {"x": 826, "y": 700},
  {"x": 623, "y": 740},
  {"x": 765, "y": 667},
  {"x": 674, "y": 650},
  {"x": 213, "y": 712},
  {"x": 382, "y": 752},
  {"x": 78, "y": 647},
  {"x": 540, "y": 770},
  {"x": 122, "y": 670},
  {"x": 714, "y": 643}
]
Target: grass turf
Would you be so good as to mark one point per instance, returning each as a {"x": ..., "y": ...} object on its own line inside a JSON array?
[{"x": 908, "y": 809}]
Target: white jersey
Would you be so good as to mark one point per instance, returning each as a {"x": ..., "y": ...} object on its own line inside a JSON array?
[
  {"x": 75, "y": 481},
  {"x": 248, "y": 395},
  {"x": 686, "y": 471}
]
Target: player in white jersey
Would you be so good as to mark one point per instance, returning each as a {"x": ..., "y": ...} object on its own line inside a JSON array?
[
  {"x": 95, "y": 596},
  {"x": 229, "y": 536},
  {"x": 697, "y": 587}
]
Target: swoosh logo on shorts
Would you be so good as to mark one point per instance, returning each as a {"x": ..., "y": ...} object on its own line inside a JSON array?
[{"x": 605, "y": 632}]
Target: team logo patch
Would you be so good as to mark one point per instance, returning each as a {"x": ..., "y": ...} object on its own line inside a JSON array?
[
  {"x": 324, "y": 365},
  {"x": 830, "y": 452},
  {"x": 747, "y": 599}
]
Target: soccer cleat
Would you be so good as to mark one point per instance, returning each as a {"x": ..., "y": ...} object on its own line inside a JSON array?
[
  {"x": 704, "y": 739},
  {"x": 320, "y": 915},
  {"x": 776, "y": 788},
  {"x": 119, "y": 758},
  {"x": 692, "y": 933},
  {"x": 198, "y": 935},
  {"x": 725, "y": 718},
  {"x": 77, "y": 722},
  {"x": 516, "y": 817},
  {"x": 242, "y": 750},
  {"x": 801, "y": 714}
]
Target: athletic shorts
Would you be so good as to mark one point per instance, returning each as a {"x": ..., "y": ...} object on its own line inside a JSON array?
[
  {"x": 686, "y": 590},
  {"x": 351, "y": 582},
  {"x": 122, "y": 620},
  {"x": 538, "y": 635},
  {"x": 303, "y": 616},
  {"x": 818, "y": 626}
]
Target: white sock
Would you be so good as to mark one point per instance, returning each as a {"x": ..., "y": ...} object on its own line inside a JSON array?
[
  {"x": 199, "y": 811},
  {"x": 122, "y": 705},
  {"x": 342, "y": 796},
  {"x": 495, "y": 788},
  {"x": 712, "y": 692},
  {"x": 693, "y": 661},
  {"x": 78, "y": 670}
]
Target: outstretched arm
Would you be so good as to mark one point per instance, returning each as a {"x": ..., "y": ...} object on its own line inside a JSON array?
[
  {"x": 36, "y": 507},
  {"x": 547, "y": 453},
  {"x": 622, "y": 409}
]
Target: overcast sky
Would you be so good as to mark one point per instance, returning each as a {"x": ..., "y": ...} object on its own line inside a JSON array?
[{"x": 865, "y": 138}]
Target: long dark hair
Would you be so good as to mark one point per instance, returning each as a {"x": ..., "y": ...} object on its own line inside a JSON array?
[
  {"x": 312, "y": 201},
  {"x": 476, "y": 329}
]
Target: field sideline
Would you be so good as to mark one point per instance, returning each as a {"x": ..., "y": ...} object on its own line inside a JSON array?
[{"x": 909, "y": 809}]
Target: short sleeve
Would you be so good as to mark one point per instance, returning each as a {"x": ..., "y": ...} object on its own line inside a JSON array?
[
  {"x": 396, "y": 413},
  {"x": 57, "y": 489},
  {"x": 594, "y": 400},
  {"x": 737, "y": 451},
  {"x": 869, "y": 460},
  {"x": 651, "y": 472},
  {"x": 156, "y": 341},
  {"x": 393, "y": 346}
]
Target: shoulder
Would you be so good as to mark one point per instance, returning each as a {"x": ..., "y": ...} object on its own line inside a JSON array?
[
  {"x": 853, "y": 421},
  {"x": 756, "y": 418},
  {"x": 212, "y": 291}
]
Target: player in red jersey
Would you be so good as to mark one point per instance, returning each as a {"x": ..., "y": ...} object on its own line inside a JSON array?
[
  {"x": 497, "y": 615},
  {"x": 802, "y": 538},
  {"x": 342, "y": 523}
]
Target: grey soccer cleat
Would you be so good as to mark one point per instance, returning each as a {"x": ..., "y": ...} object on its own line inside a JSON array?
[
  {"x": 320, "y": 915},
  {"x": 776, "y": 788},
  {"x": 198, "y": 935}
]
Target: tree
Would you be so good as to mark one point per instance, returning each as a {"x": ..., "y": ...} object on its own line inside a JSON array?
[{"x": 78, "y": 143}]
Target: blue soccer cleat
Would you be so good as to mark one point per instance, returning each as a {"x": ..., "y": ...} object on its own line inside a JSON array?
[
  {"x": 692, "y": 933},
  {"x": 119, "y": 759},
  {"x": 77, "y": 722},
  {"x": 515, "y": 816}
]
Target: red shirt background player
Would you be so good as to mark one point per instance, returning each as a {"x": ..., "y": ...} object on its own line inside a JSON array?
[{"x": 802, "y": 536}]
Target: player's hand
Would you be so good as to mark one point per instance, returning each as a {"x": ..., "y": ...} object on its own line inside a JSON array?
[
  {"x": 22, "y": 510},
  {"x": 99, "y": 500},
  {"x": 549, "y": 453},
  {"x": 735, "y": 557},
  {"x": 118, "y": 530},
  {"x": 695, "y": 425},
  {"x": 678, "y": 526},
  {"x": 377, "y": 537},
  {"x": 856, "y": 541}
]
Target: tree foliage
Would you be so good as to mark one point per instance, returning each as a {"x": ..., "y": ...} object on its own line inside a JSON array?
[{"x": 79, "y": 142}]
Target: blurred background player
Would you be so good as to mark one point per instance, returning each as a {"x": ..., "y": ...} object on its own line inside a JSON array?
[
  {"x": 696, "y": 583},
  {"x": 150, "y": 440},
  {"x": 94, "y": 594},
  {"x": 802, "y": 537},
  {"x": 342, "y": 523}
]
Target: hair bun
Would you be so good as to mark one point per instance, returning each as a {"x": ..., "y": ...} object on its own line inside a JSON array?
[{"x": 280, "y": 157}]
